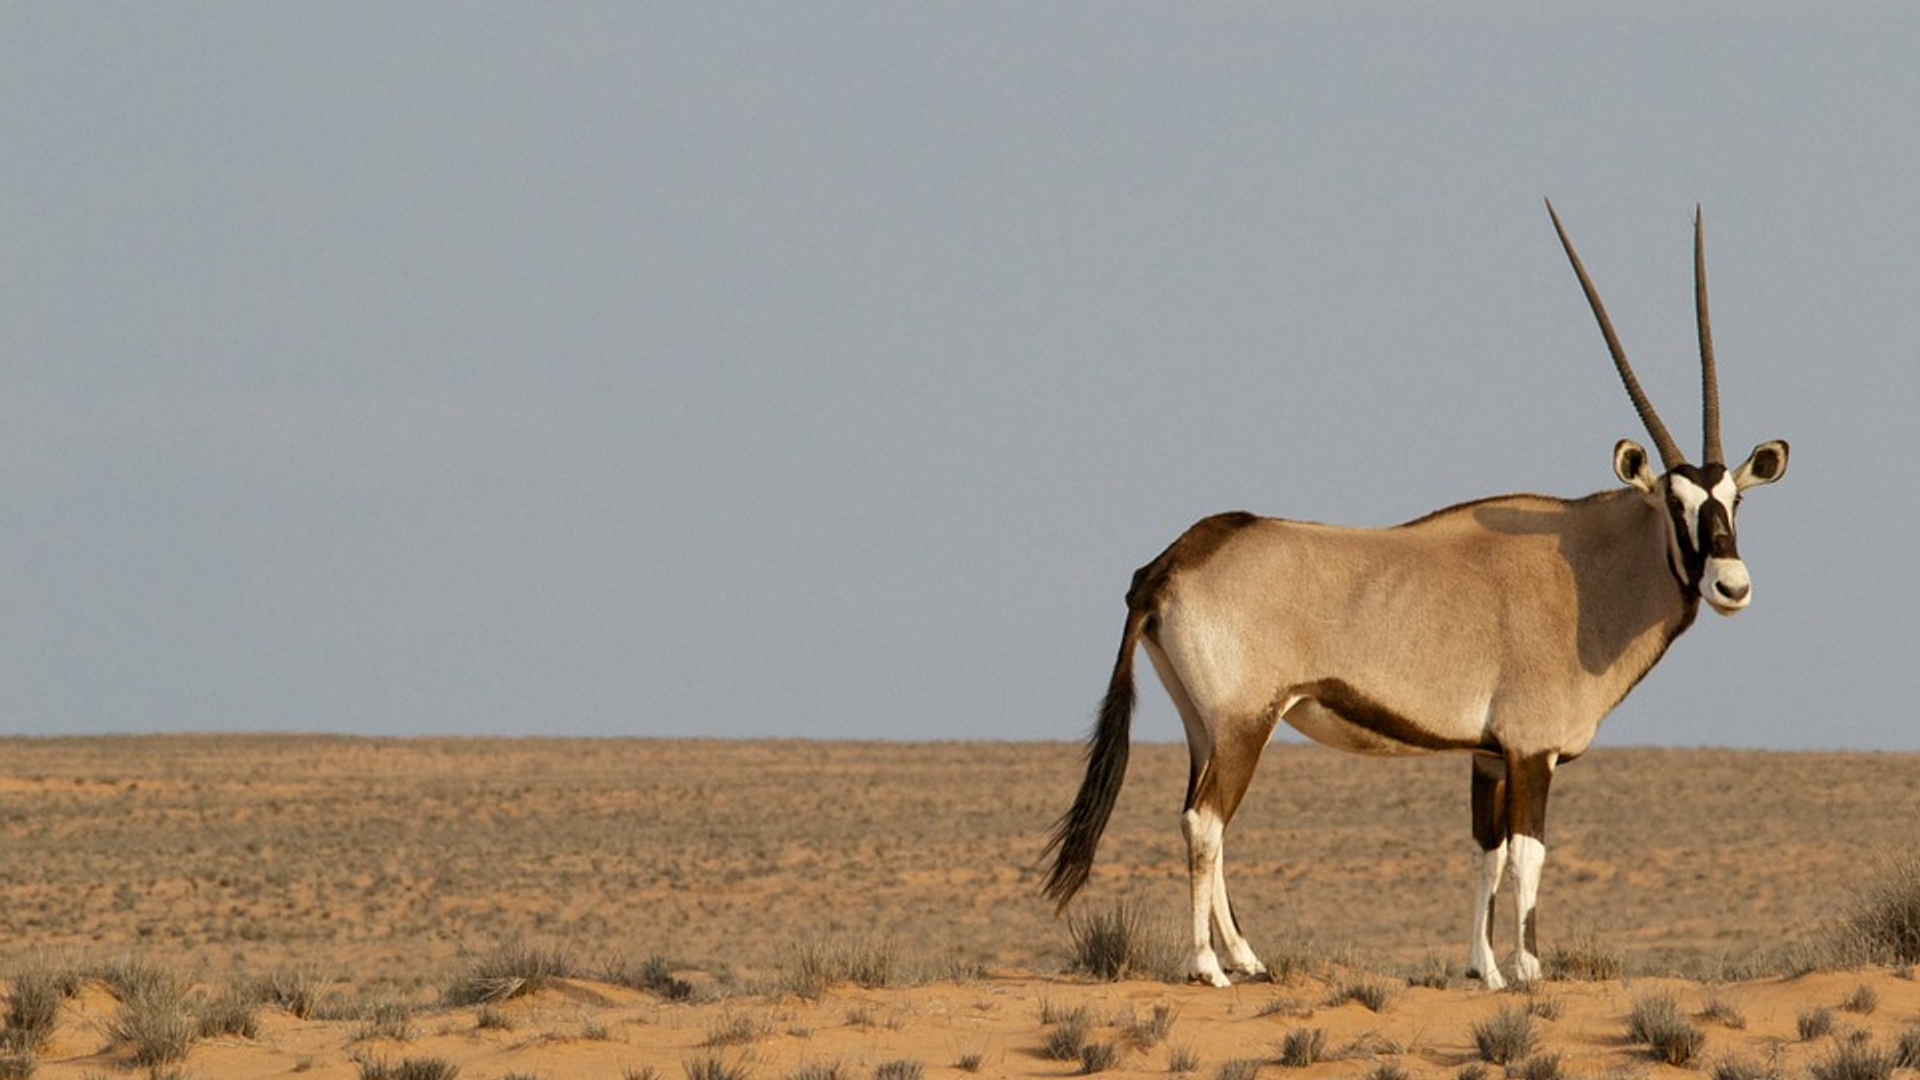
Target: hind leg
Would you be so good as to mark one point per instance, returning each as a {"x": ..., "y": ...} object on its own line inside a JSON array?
[
  {"x": 1220, "y": 765},
  {"x": 1214, "y": 793}
]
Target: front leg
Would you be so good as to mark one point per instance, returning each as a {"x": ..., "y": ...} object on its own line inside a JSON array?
[
  {"x": 1527, "y": 813},
  {"x": 1489, "y": 861}
]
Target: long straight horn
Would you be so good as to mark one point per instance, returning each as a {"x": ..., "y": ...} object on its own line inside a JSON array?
[
  {"x": 1711, "y": 454},
  {"x": 1670, "y": 453}
]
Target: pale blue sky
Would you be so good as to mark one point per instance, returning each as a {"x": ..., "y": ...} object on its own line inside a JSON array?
[{"x": 826, "y": 370}]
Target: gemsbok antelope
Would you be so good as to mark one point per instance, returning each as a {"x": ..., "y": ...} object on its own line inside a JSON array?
[{"x": 1507, "y": 627}]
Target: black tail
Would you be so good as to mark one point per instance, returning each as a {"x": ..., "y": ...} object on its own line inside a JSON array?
[{"x": 1077, "y": 833}]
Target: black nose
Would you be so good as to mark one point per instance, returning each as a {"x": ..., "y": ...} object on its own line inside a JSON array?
[{"x": 1735, "y": 593}]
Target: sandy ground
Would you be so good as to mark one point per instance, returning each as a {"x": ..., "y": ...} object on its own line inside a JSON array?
[{"x": 388, "y": 866}]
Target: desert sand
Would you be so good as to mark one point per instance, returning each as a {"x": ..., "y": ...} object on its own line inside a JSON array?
[{"x": 386, "y": 869}]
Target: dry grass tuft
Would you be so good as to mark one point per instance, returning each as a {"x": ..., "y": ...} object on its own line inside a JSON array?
[
  {"x": 1655, "y": 1020},
  {"x": 1883, "y": 925},
  {"x": 154, "y": 1021},
  {"x": 1109, "y": 944},
  {"x": 1302, "y": 1047},
  {"x": 1506, "y": 1037},
  {"x": 510, "y": 971}
]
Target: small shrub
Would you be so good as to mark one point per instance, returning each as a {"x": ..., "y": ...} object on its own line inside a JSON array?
[
  {"x": 899, "y": 1069},
  {"x": 1539, "y": 1067},
  {"x": 153, "y": 1020},
  {"x": 1507, "y": 1037},
  {"x": 1851, "y": 1060},
  {"x": 1472, "y": 1070},
  {"x": 18, "y": 1066},
  {"x": 510, "y": 971},
  {"x": 33, "y": 1009},
  {"x": 1109, "y": 944},
  {"x": 235, "y": 1012},
  {"x": 1723, "y": 1012},
  {"x": 1863, "y": 1000},
  {"x": 1098, "y": 1057},
  {"x": 386, "y": 1019},
  {"x": 1389, "y": 1070},
  {"x": 970, "y": 1062},
  {"x": 1655, "y": 1020},
  {"x": 489, "y": 1018},
  {"x": 1433, "y": 973},
  {"x": 1302, "y": 1047},
  {"x": 1582, "y": 960},
  {"x": 1147, "y": 1034},
  {"x": 1815, "y": 1022},
  {"x": 1069, "y": 1034},
  {"x": 736, "y": 1030},
  {"x": 299, "y": 991},
  {"x": 1371, "y": 993},
  {"x": 653, "y": 975},
  {"x": 1183, "y": 1059},
  {"x": 1238, "y": 1069},
  {"x": 818, "y": 1072},
  {"x": 1906, "y": 1050},
  {"x": 1884, "y": 923},
  {"x": 1544, "y": 1006},
  {"x": 1742, "y": 1068},
  {"x": 715, "y": 1068},
  {"x": 814, "y": 967}
]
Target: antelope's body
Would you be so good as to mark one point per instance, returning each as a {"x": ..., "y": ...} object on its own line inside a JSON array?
[{"x": 1506, "y": 628}]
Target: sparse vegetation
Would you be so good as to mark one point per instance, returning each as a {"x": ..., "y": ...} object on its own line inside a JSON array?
[
  {"x": 1098, "y": 1057},
  {"x": 1506, "y": 1037},
  {"x": 509, "y": 971},
  {"x": 1736, "y": 1067},
  {"x": 1863, "y": 1000},
  {"x": 717, "y": 1068},
  {"x": 1148, "y": 1033},
  {"x": 899, "y": 1069},
  {"x": 817, "y": 965},
  {"x": 1538, "y": 1067},
  {"x": 385, "y": 1019},
  {"x": 1723, "y": 1012},
  {"x": 1883, "y": 925},
  {"x": 153, "y": 1021},
  {"x": 653, "y": 974},
  {"x": 236, "y": 1011},
  {"x": 33, "y": 1008},
  {"x": 1853, "y": 1059},
  {"x": 1656, "y": 1021},
  {"x": 1389, "y": 1070},
  {"x": 1067, "y": 1036},
  {"x": 1906, "y": 1049},
  {"x": 1183, "y": 1059},
  {"x": 737, "y": 1029},
  {"x": 1815, "y": 1022},
  {"x": 1373, "y": 994},
  {"x": 1238, "y": 1069},
  {"x": 414, "y": 1068},
  {"x": 299, "y": 990},
  {"x": 1583, "y": 959},
  {"x": 1109, "y": 943},
  {"x": 1302, "y": 1047}
]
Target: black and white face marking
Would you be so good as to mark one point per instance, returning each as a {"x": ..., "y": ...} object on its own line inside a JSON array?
[{"x": 1701, "y": 501}]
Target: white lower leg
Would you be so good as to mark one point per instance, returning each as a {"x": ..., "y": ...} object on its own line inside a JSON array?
[
  {"x": 1239, "y": 954},
  {"x": 1529, "y": 855},
  {"x": 1203, "y": 832},
  {"x": 1487, "y": 867}
]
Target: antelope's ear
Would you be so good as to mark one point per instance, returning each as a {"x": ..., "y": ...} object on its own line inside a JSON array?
[
  {"x": 1767, "y": 463},
  {"x": 1630, "y": 465}
]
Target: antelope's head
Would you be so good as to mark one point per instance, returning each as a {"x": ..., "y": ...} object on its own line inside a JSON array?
[{"x": 1699, "y": 500}]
